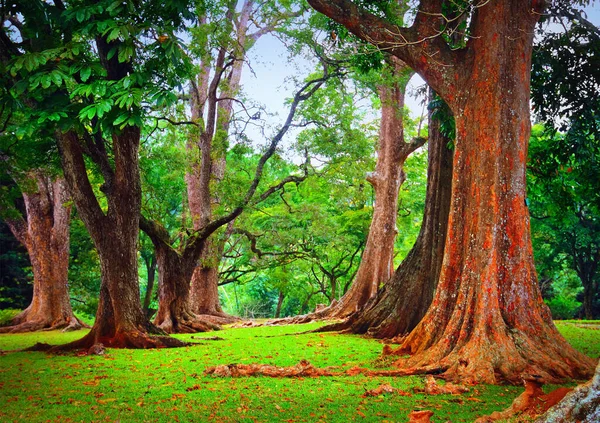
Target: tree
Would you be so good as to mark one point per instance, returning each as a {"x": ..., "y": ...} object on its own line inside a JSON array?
[
  {"x": 176, "y": 265},
  {"x": 377, "y": 260},
  {"x": 45, "y": 234},
  {"x": 487, "y": 321},
  {"x": 222, "y": 55},
  {"x": 86, "y": 78},
  {"x": 565, "y": 203},
  {"x": 403, "y": 301},
  {"x": 563, "y": 167}
]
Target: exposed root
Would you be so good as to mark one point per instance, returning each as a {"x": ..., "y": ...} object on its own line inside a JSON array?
[
  {"x": 134, "y": 339},
  {"x": 25, "y": 325},
  {"x": 385, "y": 388},
  {"x": 219, "y": 318},
  {"x": 432, "y": 388},
  {"x": 302, "y": 369},
  {"x": 580, "y": 405},
  {"x": 532, "y": 402}
]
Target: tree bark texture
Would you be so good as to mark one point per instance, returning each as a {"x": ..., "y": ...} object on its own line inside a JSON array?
[
  {"x": 582, "y": 405},
  {"x": 120, "y": 321},
  {"x": 487, "y": 322},
  {"x": 45, "y": 235},
  {"x": 402, "y": 302}
]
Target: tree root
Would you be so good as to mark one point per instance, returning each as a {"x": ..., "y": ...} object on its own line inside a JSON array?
[
  {"x": 304, "y": 369},
  {"x": 44, "y": 325},
  {"x": 580, "y": 405},
  {"x": 134, "y": 339},
  {"x": 532, "y": 402}
]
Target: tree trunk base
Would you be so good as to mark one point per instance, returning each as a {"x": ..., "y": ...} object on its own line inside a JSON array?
[
  {"x": 133, "y": 339},
  {"x": 25, "y": 322},
  {"x": 505, "y": 358},
  {"x": 188, "y": 323}
]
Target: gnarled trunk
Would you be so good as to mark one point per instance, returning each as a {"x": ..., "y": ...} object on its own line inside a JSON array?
[
  {"x": 174, "y": 313},
  {"x": 204, "y": 287},
  {"x": 120, "y": 321},
  {"x": 487, "y": 322},
  {"x": 403, "y": 301},
  {"x": 45, "y": 234}
]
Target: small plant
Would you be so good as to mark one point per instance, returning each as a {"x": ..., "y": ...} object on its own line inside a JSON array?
[{"x": 7, "y": 315}]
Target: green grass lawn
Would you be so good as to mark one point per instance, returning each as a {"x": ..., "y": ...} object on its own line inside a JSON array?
[{"x": 168, "y": 384}]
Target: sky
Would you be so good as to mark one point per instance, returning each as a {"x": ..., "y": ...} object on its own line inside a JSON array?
[{"x": 268, "y": 80}]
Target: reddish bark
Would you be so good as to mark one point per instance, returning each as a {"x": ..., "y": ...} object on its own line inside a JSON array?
[
  {"x": 403, "y": 301},
  {"x": 45, "y": 234},
  {"x": 487, "y": 322},
  {"x": 532, "y": 402},
  {"x": 377, "y": 261}
]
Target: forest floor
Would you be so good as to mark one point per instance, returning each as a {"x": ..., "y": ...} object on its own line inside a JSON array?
[{"x": 169, "y": 385}]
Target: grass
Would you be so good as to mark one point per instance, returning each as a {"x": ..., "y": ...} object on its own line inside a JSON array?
[{"x": 168, "y": 385}]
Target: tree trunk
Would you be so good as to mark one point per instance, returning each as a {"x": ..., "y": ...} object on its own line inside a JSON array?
[
  {"x": 205, "y": 285},
  {"x": 45, "y": 234},
  {"x": 279, "y": 304},
  {"x": 151, "y": 269},
  {"x": 403, "y": 301},
  {"x": 174, "y": 314},
  {"x": 487, "y": 322},
  {"x": 377, "y": 261},
  {"x": 120, "y": 321}
]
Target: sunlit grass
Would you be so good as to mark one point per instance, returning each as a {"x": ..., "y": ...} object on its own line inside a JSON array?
[{"x": 169, "y": 385}]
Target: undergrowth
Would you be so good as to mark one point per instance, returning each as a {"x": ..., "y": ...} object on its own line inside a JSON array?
[{"x": 168, "y": 385}]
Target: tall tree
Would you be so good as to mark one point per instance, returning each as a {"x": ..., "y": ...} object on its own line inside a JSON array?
[
  {"x": 177, "y": 264},
  {"x": 44, "y": 231},
  {"x": 86, "y": 77},
  {"x": 377, "y": 260},
  {"x": 487, "y": 321},
  {"x": 404, "y": 300},
  {"x": 223, "y": 55}
]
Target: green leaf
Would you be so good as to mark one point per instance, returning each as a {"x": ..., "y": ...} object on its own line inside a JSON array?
[
  {"x": 46, "y": 81},
  {"x": 85, "y": 73}
]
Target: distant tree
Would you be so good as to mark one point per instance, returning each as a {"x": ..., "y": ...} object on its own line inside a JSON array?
[
  {"x": 44, "y": 231},
  {"x": 565, "y": 153},
  {"x": 564, "y": 200}
]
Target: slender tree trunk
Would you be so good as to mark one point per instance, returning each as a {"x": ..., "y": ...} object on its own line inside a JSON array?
[
  {"x": 403, "y": 301},
  {"x": 151, "y": 270},
  {"x": 279, "y": 304},
  {"x": 45, "y": 234},
  {"x": 487, "y": 322}
]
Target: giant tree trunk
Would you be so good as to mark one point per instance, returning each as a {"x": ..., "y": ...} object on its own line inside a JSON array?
[
  {"x": 377, "y": 260},
  {"x": 204, "y": 287},
  {"x": 120, "y": 321},
  {"x": 45, "y": 234},
  {"x": 487, "y": 322},
  {"x": 174, "y": 313},
  {"x": 403, "y": 301}
]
